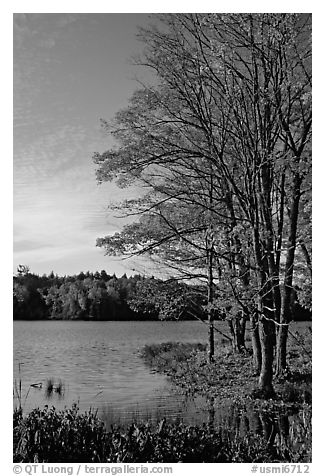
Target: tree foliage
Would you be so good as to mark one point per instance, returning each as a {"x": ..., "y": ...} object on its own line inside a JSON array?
[
  {"x": 99, "y": 296},
  {"x": 222, "y": 146}
]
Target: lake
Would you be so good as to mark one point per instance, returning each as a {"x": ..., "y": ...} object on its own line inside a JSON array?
[{"x": 99, "y": 366}]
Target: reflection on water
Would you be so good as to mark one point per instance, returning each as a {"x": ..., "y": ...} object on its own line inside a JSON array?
[{"x": 291, "y": 430}]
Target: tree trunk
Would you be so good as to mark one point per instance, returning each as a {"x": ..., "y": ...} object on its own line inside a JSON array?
[
  {"x": 266, "y": 330},
  {"x": 266, "y": 334},
  {"x": 237, "y": 327},
  {"x": 211, "y": 338},
  {"x": 281, "y": 351},
  {"x": 210, "y": 309},
  {"x": 210, "y": 252},
  {"x": 256, "y": 344}
]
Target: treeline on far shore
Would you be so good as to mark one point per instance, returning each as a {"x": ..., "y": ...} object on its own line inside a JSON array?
[
  {"x": 101, "y": 296},
  {"x": 97, "y": 296}
]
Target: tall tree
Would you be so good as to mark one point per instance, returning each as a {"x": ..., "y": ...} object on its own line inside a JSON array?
[{"x": 222, "y": 146}]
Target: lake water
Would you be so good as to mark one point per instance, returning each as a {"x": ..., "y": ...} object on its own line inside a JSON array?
[{"x": 99, "y": 366}]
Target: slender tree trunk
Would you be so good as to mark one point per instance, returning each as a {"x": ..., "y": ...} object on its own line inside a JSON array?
[
  {"x": 266, "y": 329},
  {"x": 282, "y": 335},
  {"x": 281, "y": 349},
  {"x": 256, "y": 344},
  {"x": 240, "y": 326},
  {"x": 280, "y": 221},
  {"x": 237, "y": 327},
  {"x": 266, "y": 334},
  {"x": 210, "y": 252},
  {"x": 212, "y": 412},
  {"x": 210, "y": 309}
]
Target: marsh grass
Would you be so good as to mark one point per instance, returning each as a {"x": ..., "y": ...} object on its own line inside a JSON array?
[
  {"x": 49, "y": 387},
  {"x": 59, "y": 389},
  {"x": 178, "y": 351},
  {"x": 169, "y": 356},
  {"x": 18, "y": 393},
  {"x": 52, "y": 388}
]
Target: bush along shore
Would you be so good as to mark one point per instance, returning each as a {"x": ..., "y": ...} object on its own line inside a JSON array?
[{"x": 251, "y": 430}]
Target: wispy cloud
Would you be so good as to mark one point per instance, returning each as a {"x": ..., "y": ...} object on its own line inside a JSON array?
[
  {"x": 27, "y": 245},
  {"x": 58, "y": 207},
  {"x": 44, "y": 28},
  {"x": 68, "y": 72}
]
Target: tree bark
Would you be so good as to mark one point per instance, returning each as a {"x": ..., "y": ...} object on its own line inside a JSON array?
[
  {"x": 285, "y": 315},
  {"x": 256, "y": 344},
  {"x": 266, "y": 331},
  {"x": 210, "y": 309},
  {"x": 237, "y": 327},
  {"x": 266, "y": 334},
  {"x": 281, "y": 349},
  {"x": 210, "y": 252}
]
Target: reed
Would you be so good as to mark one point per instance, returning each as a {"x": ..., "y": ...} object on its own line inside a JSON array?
[
  {"x": 17, "y": 391},
  {"x": 52, "y": 388},
  {"x": 49, "y": 387}
]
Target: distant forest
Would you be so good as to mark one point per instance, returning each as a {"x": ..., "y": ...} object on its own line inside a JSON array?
[{"x": 103, "y": 297}]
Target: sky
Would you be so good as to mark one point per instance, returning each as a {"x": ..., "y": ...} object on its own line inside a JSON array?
[{"x": 70, "y": 70}]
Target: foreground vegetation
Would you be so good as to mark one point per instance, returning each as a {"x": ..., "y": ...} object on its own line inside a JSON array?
[{"x": 67, "y": 436}]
